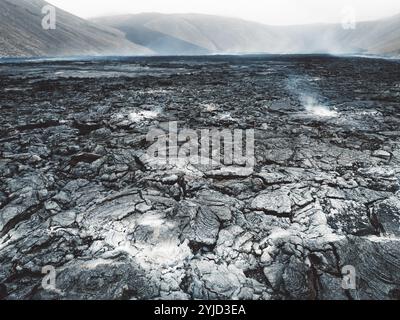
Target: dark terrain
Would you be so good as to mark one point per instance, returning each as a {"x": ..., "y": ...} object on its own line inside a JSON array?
[{"x": 77, "y": 193}]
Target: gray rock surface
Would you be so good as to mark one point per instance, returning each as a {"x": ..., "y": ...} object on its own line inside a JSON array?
[{"x": 78, "y": 193}]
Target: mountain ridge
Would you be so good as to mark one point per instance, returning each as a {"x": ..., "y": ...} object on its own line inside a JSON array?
[
  {"x": 21, "y": 35},
  {"x": 217, "y": 34}
]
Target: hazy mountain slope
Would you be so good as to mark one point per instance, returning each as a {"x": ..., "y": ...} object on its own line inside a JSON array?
[
  {"x": 21, "y": 33},
  {"x": 196, "y": 34},
  {"x": 379, "y": 37},
  {"x": 372, "y": 37},
  {"x": 136, "y": 29},
  {"x": 204, "y": 32},
  {"x": 218, "y": 33}
]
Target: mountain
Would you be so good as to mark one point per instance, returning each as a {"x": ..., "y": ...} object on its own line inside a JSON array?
[
  {"x": 199, "y": 34},
  {"x": 380, "y": 37},
  {"x": 374, "y": 37},
  {"x": 21, "y": 33}
]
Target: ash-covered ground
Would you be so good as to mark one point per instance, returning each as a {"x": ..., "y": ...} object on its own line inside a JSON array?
[{"x": 78, "y": 194}]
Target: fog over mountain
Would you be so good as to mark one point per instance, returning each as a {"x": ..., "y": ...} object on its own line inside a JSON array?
[
  {"x": 21, "y": 34},
  {"x": 197, "y": 34},
  {"x": 376, "y": 37}
]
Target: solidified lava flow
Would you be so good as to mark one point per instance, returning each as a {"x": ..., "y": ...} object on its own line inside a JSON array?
[{"x": 317, "y": 216}]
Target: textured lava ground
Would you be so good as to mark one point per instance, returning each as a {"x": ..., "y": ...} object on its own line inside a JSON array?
[{"x": 77, "y": 193}]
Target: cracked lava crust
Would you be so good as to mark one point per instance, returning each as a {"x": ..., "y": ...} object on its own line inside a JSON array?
[{"x": 77, "y": 192}]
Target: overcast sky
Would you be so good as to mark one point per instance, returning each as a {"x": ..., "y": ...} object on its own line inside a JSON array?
[{"x": 276, "y": 12}]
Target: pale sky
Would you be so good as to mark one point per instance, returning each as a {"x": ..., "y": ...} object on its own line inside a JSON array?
[{"x": 274, "y": 12}]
